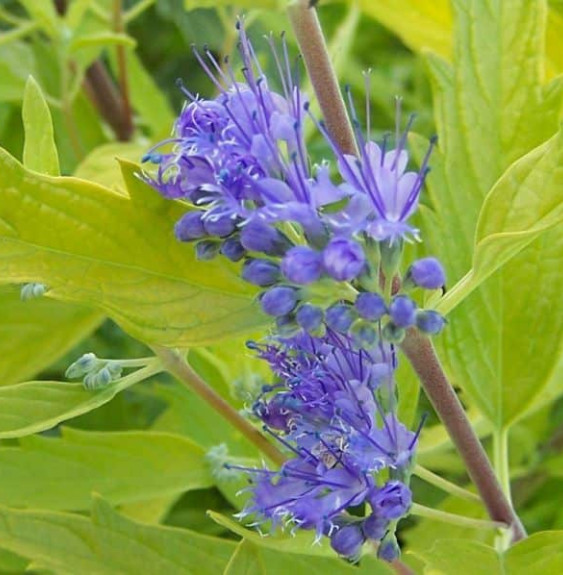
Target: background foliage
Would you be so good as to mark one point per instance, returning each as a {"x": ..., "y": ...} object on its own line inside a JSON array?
[{"x": 123, "y": 485}]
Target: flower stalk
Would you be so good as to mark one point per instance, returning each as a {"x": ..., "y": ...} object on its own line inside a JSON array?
[
  {"x": 421, "y": 354},
  {"x": 309, "y": 35},
  {"x": 416, "y": 346},
  {"x": 444, "y": 484},
  {"x": 175, "y": 363},
  {"x": 454, "y": 518}
]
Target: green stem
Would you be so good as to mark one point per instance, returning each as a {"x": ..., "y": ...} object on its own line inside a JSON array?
[
  {"x": 153, "y": 367},
  {"x": 127, "y": 115},
  {"x": 444, "y": 484},
  {"x": 454, "y": 519},
  {"x": 137, "y": 362},
  {"x": 137, "y": 10},
  {"x": 501, "y": 462},
  {"x": 177, "y": 365}
]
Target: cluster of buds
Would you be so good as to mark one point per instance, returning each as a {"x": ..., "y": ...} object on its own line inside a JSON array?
[{"x": 323, "y": 242}]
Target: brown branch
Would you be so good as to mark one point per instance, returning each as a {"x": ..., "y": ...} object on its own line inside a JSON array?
[
  {"x": 174, "y": 363},
  {"x": 102, "y": 91},
  {"x": 307, "y": 29},
  {"x": 420, "y": 352}
]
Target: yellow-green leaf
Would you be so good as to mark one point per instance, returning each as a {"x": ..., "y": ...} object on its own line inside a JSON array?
[
  {"x": 109, "y": 544},
  {"x": 39, "y": 151},
  {"x": 93, "y": 246},
  {"x": 122, "y": 467},
  {"x": 525, "y": 202},
  {"x": 419, "y": 23},
  {"x": 36, "y": 333},
  {"x": 254, "y": 559},
  {"x": 540, "y": 553},
  {"x": 492, "y": 109},
  {"x": 35, "y": 406}
]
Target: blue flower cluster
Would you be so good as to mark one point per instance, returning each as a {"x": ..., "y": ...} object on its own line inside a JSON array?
[
  {"x": 332, "y": 408},
  {"x": 240, "y": 160},
  {"x": 324, "y": 244}
]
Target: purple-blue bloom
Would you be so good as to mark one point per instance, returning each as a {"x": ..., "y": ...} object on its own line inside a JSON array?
[
  {"x": 383, "y": 194},
  {"x": 343, "y": 259},
  {"x": 309, "y": 317},
  {"x": 429, "y": 321},
  {"x": 402, "y": 311},
  {"x": 302, "y": 265},
  {"x": 324, "y": 409},
  {"x": 279, "y": 300},
  {"x": 426, "y": 273}
]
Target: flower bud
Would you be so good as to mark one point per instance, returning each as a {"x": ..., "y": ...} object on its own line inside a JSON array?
[
  {"x": 393, "y": 334},
  {"x": 32, "y": 291},
  {"x": 374, "y": 527},
  {"x": 389, "y": 549},
  {"x": 279, "y": 300},
  {"x": 259, "y": 236},
  {"x": 309, "y": 317},
  {"x": 363, "y": 334},
  {"x": 232, "y": 249},
  {"x": 286, "y": 326},
  {"x": 429, "y": 321},
  {"x": 260, "y": 272},
  {"x": 340, "y": 317},
  {"x": 206, "y": 250},
  {"x": 426, "y": 273},
  {"x": 82, "y": 366},
  {"x": 222, "y": 226},
  {"x": 302, "y": 265},
  {"x": 343, "y": 259},
  {"x": 190, "y": 227},
  {"x": 402, "y": 311},
  {"x": 391, "y": 501},
  {"x": 370, "y": 306},
  {"x": 347, "y": 541}
]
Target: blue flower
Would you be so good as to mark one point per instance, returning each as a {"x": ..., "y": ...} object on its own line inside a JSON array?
[
  {"x": 383, "y": 195},
  {"x": 325, "y": 411}
]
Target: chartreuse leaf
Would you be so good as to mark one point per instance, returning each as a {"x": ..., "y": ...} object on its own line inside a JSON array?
[
  {"x": 100, "y": 40},
  {"x": 418, "y": 23},
  {"x": 492, "y": 111},
  {"x": 540, "y": 553},
  {"x": 44, "y": 14},
  {"x": 428, "y": 25},
  {"x": 36, "y": 333},
  {"x": 16, "y": 64},
  {"x": 101, "y": 165},
  {"x": 36, "y": 406},
  {"x": 524, "y": 203},
  {"x": 252, "y": 559},
  {"x": 121, "y": 466},
  {"x": 93, "y": 246},
  {"x": 109, "y": 544},
  {"x": 39, "y": 151},
  {"x": 12, "y": 563},
  {"x": 302, "y": 542}
]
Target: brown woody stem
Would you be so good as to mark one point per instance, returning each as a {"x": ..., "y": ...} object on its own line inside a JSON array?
[
  {"x": 176, "y": 364},
  {"x": 417, "y": 347},
  {"x": 102, "y": 91},
  {"x": 420, "y": 352},
  {"x": 307, "y": 29}
]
